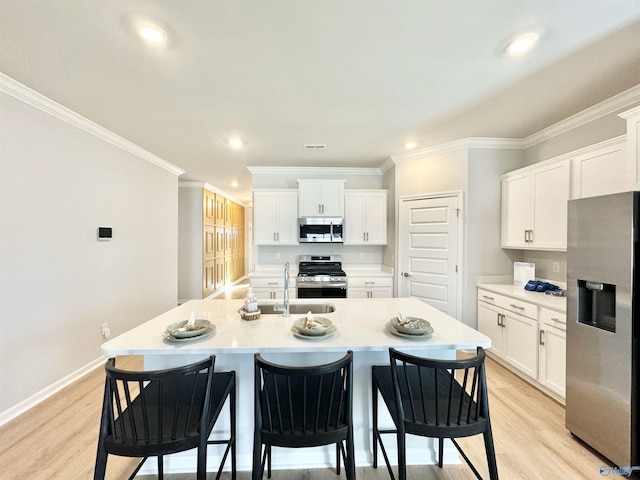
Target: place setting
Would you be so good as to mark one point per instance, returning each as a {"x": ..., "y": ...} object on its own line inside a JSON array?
[
  {"x": 413, "y": 328},
  {"x": 313, "y": 328},
  {"x": 189, "y": 330}
]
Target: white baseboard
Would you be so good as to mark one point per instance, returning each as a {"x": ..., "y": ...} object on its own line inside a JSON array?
[{"x": 47, "y": 392}]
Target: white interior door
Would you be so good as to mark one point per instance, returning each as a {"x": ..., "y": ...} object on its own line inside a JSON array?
[{"x": 428, "y": 251}]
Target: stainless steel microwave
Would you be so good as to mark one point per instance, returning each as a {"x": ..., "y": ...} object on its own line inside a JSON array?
[{"x": 320, "y": 229}]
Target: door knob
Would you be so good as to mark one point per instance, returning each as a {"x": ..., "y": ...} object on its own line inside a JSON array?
[{"x": 405, "y": 274}]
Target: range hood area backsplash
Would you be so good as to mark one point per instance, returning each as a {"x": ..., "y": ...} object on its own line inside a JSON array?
[{"x": 351, "y": 255}]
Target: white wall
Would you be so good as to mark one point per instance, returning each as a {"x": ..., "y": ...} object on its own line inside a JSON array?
[
  {"x": 190, "y": 243},
  {"x": 58, "y": 284},
  {"x": 476, "y": 172}
]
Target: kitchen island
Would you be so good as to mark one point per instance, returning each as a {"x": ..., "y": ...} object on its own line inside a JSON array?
[{"x": 361, "y": 327}]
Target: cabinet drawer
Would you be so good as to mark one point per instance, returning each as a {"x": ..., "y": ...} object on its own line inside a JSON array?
[
  {"x": 553, "y": 318},
  {"x": 509, "y": 303},
  {"x": 271, "y": 282},
  {"x": 369, "y": 281}
]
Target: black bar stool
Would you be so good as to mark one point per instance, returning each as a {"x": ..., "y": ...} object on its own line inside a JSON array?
[
  {"x": 156, "y": 413},
  {"x": 303, "y": 407},
  {"x": 433, "y": 398}
]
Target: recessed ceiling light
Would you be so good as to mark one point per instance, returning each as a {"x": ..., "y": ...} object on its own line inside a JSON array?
[
  {"x": 410, "y": 145},
  {"x": 522, "y": 43},
  {"x": 234, "y": 184},
  {"x": 235, "y": 142},
  {"x": 151, "y": 33}
]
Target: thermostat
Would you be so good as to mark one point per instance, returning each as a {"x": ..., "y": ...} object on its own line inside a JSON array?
[{"x": 105, "y": 233}]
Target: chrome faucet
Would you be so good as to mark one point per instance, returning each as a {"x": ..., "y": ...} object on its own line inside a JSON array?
[{"x": 285, "y": 307}]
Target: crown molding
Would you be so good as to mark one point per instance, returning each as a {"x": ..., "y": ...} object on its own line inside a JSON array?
[
  {"x": 630, "y": 113},
  {"x": 457, "y": 145},
  {"x": 317, "y": 171},
  {"x": 211, "y": 188},
  {"x": 25, "y": 94},
  {"x": 606, "y": 107}
]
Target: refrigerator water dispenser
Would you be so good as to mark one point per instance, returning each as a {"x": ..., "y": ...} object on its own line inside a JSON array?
[{"x": 597, "y": 305}]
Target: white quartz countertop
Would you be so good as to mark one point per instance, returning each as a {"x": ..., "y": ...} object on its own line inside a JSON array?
[
  {"x": 360, "y": 327},
  {"x": 539, "y": 298}
]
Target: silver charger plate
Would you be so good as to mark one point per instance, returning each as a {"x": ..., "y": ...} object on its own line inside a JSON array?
[
  {"x": 391, "y": 329},
  {"x": 330, "y": 331},
  {"x": 205, "y": 334}
]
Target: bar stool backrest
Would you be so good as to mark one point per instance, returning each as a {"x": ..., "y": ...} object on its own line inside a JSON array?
[{"x": 440, "y": 398}]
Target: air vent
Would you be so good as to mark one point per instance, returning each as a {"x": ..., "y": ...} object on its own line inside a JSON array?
[{"x": 315, "y": 146}]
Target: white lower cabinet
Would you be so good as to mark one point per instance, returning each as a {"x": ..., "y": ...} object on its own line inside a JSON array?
[
  {"x": 528, "y": 337},
  {"x": 369, "y": 287},
  {"x": 271, "y": 288},
  {"x": 513, "y": 336},
  {"x": 552, "y": 350}
]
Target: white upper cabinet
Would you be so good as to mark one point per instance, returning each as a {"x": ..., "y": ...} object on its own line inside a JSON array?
[
  {"x": 633, "y": 145},
  {"x": 534, "y": 206},
  {"x": 275, "y": 217},
  {"x": 601, "y": 170},
  {"x": 365, "y": 217},
  {"x": 321, "y": 198}
]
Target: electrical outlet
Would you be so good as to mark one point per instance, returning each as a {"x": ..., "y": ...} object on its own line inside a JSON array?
[
  {"x": 556, "y": 267},
  {"x": 106, "y": 331}
]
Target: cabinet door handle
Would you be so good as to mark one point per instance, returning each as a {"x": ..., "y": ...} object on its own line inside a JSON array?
[
  {"x": 488, "y": 297},
  {"x": 526, "y": 236},
  {"x": 369, "y": 283},
  {"x": 363, "y": 237},
  {"x": 517, "y": 306},
  {"x": 367, "y": 236},
  {"x": 540, "y": 341}
]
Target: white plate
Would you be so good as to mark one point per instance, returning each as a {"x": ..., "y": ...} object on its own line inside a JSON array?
[
  {"x": 330, "y": 331},
  {"x": 391, "y": 329},
  {"x": 207, "y": 333}
]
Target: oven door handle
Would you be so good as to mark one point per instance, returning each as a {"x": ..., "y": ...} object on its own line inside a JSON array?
[{"x": 321, "y": 285}]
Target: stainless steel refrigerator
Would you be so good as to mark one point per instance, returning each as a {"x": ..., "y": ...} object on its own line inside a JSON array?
[{"x": 602, "y": 325}]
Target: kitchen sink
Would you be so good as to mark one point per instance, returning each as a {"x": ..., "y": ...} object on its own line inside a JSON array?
[{"x": 296, "y": 308}]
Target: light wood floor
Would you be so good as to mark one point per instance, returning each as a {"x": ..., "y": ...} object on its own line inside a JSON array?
[{"x": 56, "y": 440}]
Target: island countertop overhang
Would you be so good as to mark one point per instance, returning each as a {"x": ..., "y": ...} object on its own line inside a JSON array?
[{"x": 360, "y": 327}]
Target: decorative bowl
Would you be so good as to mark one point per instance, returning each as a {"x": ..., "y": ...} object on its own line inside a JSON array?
[
  {"x": 411, "y": 325},
  {"x": 181, "y": 330},
  {"x": 320, "y": 326}
]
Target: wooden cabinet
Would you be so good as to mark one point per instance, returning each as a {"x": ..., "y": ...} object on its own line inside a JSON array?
[
  {"x": 633, "y": 145},
  {"x": 552, "y": 350},
  {"x": 211, "y": 253},
  {"x": 275, "y": 217},
  {"x": 534, "y": 206},
  {"x": 601, "y": 169},
  {"x": 321, "y": 198},
  {"x": 369, "y": 287},
  {"x": 365, "y": 217},
  {"x": 512, "y": 326}
]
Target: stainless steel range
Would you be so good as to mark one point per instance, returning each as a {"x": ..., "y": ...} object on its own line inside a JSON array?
[{"x": 321, "y": 276}]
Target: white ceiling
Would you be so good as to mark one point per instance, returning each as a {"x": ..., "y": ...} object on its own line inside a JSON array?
[{"x": 362, "y": 76}]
